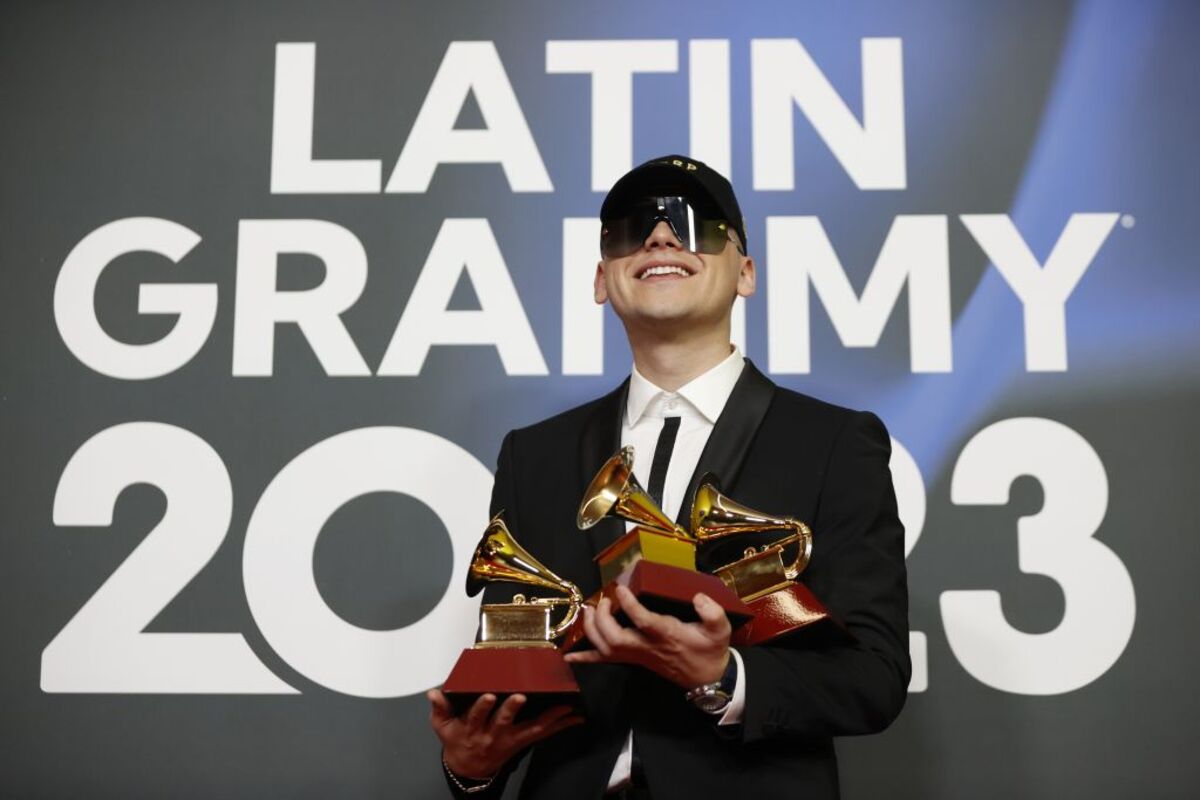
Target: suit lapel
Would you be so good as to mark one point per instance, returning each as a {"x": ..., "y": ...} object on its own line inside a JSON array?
[
  {"x": 600, "y": 441},
  {"x": 732, "y": 434}
]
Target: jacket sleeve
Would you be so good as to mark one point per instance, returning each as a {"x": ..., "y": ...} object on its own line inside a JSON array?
[{"x": 816, "y": 687}]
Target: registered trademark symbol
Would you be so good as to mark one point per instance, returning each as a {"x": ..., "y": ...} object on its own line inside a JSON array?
[{"x": 1127, "y": 221}]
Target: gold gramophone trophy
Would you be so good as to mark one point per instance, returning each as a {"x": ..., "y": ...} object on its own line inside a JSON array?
[
  {"x": 760, "y": 577},
  {"x": 656, "y": 559},
  {"x": 515, "y": 652}
]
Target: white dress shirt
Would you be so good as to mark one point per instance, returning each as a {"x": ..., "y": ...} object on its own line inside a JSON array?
[{"x": 697, "y": 404}]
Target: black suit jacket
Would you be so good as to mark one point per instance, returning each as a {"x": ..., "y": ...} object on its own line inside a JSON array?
[{"x": 780, "y": 452}]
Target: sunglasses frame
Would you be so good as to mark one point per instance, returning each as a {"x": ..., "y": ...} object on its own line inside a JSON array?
[{"x": 662, "y": 204}]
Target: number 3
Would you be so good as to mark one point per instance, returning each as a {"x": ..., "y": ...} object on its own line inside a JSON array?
[{"x": 1057, "y": 541}]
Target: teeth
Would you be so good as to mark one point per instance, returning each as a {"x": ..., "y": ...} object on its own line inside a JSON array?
[{"x": 664, "y": 270}]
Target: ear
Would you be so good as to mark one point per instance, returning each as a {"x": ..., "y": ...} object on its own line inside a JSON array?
[
  {"x": 747, "y": 277},
  {"x": 599, "y": 287}
]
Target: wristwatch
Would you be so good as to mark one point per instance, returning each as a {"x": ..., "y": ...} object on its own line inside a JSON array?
[{"x": 713, "y": 698}]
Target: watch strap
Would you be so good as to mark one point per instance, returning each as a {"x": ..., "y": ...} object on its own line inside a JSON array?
[{"x": 720, "y": 689}]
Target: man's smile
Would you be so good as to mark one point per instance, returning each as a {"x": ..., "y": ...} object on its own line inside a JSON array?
[{"x": 659, "y": 271}]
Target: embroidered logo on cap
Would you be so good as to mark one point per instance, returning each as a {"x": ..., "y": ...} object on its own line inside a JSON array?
[{"x": 676, "y": 162}]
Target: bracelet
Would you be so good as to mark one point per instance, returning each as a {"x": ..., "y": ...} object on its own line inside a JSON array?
[{"x": 466, "y": 789}]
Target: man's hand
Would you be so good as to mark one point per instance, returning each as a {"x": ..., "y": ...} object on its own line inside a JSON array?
[
  {"x": 686, "y": 653},
  {"x": 478, "y": 744}
]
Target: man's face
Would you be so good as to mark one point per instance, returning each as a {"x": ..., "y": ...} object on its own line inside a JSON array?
[{"x": 669, "y": 290}]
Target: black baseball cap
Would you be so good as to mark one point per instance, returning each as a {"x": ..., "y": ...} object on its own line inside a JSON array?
[{"x": 675, "y": 175}]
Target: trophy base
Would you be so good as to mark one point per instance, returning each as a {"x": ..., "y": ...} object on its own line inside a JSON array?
[
  {"x": 539, "y": 673},
  {"x": 664, "y": 589},
  {"x": 641, "y": 543},
  {"x": 783, "y": 612}
]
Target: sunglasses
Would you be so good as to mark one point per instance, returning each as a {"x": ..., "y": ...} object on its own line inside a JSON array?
[{"x": 696, "y": 229}]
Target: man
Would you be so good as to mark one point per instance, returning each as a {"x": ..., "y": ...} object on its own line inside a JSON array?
[{"x": 670, "y": 710}]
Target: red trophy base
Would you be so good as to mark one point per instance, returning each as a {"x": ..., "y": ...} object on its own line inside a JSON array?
[
  {"x": 782, "y": 612},
  {"x": 539, "y": 673},
  {"x": 669, "y": 590}
]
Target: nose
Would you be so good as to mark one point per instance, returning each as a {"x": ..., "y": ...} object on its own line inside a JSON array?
[{"x": 662, "y": 236}]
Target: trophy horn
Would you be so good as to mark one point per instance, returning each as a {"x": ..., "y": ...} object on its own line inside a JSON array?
[
  {"x": 715, "y": 516},
  {"x": 616, "y": 492},
  {"x": 500, "y": 557}
]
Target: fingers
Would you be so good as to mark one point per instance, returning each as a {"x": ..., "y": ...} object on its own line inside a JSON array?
[
  {"x": 614, "y": 635},
  {"x": 584, "y": 657},
  {"x": 712, "y": 616},
  {"x": 597, "y": 635},
  {"x": 561, "y": 724},
  {"x": 508, "y": 710},
  {"x": 612, "y": 641},
  {"x": 548, "y": 723},
  {"x": 592, "y": 633},
  {"x": 534, "y": 729},
  {"x": 645, "y": 619},
  {"x": 480, "y": 710},
  {"x": 440, "y": 711},
  {"x": 550, "y": 715},
  {"x": 478, "y": 748}
]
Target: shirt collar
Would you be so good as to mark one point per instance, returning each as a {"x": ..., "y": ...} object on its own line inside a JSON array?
[{"x": 708, "y": 393}]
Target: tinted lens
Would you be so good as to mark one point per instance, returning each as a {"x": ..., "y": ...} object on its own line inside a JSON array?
[
  {"x": 624, "y": 235},
  {"x": 711, "y": 236},
  {"x": 696, "y": 230}
]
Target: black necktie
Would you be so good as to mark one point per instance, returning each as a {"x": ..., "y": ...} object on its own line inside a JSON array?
[{"x": 662, "y": 458}]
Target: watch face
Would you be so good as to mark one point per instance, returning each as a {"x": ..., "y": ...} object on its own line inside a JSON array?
[{"x": 713, "y": 702}]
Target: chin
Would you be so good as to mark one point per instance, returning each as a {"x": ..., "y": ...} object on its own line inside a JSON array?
[
  {"x": 663, "y": 312},
  {"x": 665, "y": 320}
]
